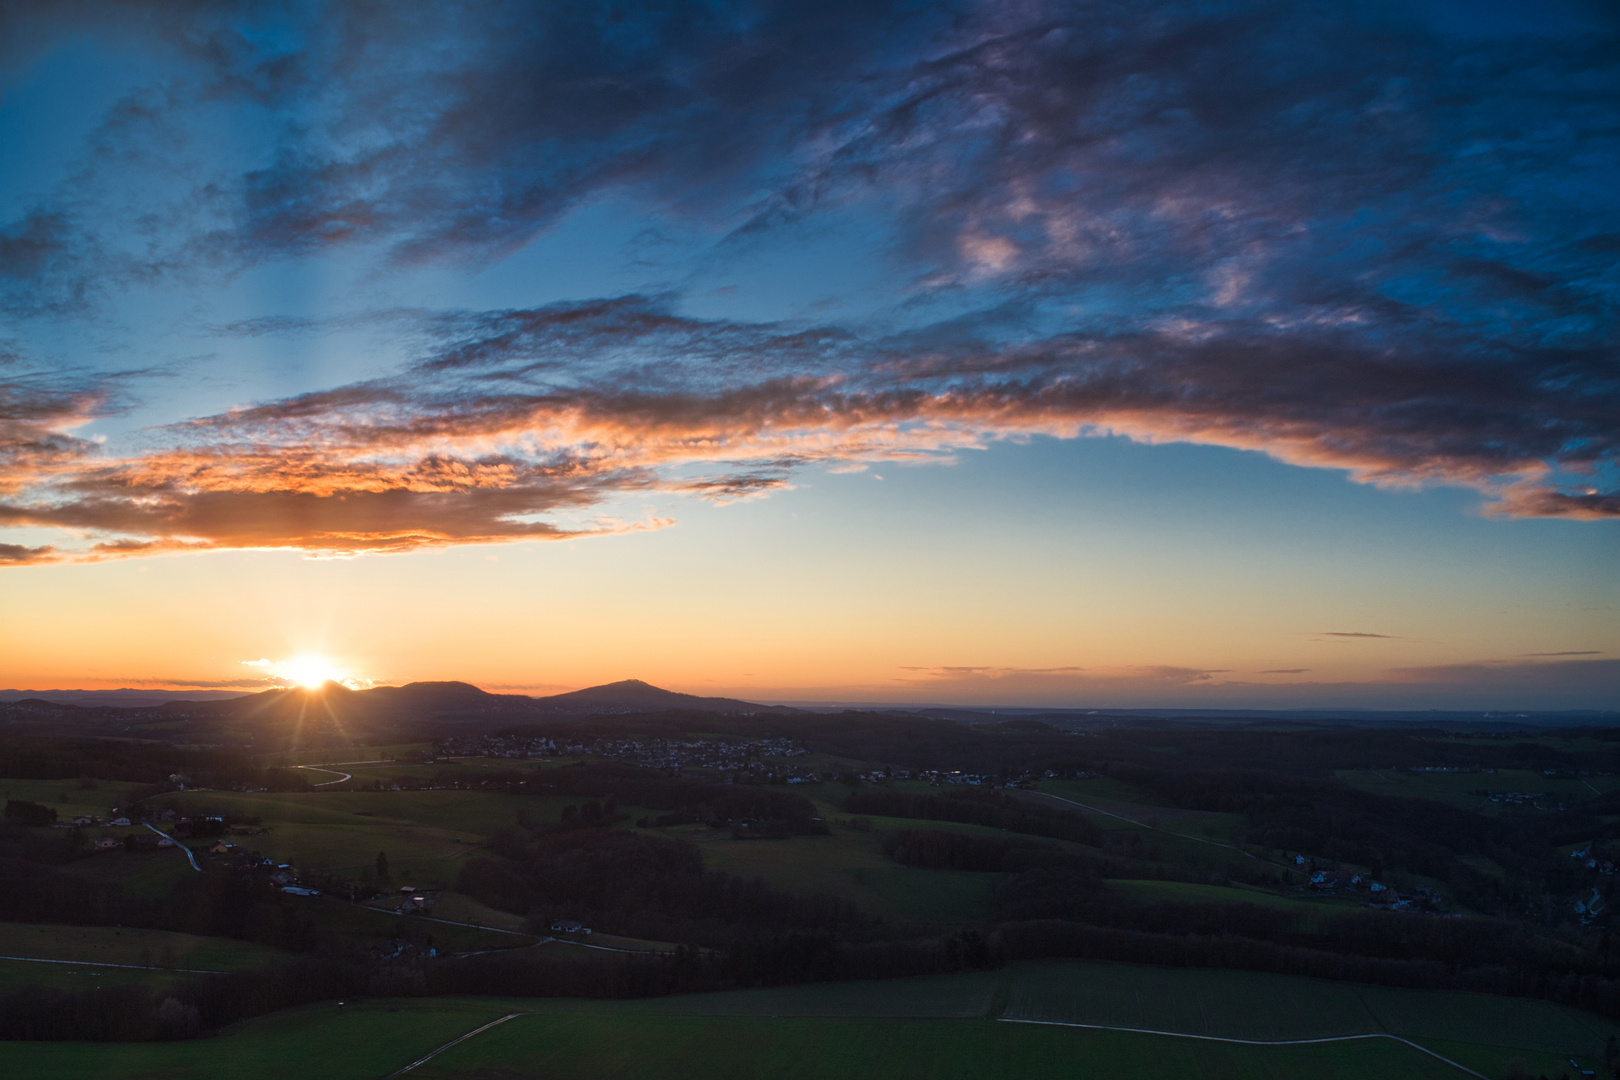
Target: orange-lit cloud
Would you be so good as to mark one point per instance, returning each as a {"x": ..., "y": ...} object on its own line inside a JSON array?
[{"x": 515, "y": 418}]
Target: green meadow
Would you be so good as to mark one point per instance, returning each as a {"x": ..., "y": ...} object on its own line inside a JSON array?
[
  {"x": 943, "y": 1026},
  {"x": 1459, "y": 789},
  {"x": 129, "y": 945}
]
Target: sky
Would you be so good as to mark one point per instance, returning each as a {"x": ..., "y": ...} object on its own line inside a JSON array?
[{"x": 1148, "y": 354}]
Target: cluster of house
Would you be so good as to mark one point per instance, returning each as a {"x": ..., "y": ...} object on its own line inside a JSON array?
[
  {"x": 400, "y": 949},
  {"x": 649, "y": 753},
  {"x": 1525, "y": 798},
  {"x": 130, "y": 841},
  {"x": 1593, "y": 861},
  {"x": 1345, "y": 881},
  {"x": 1589, "y": 907},
  {"x": 413, "y": 901}
]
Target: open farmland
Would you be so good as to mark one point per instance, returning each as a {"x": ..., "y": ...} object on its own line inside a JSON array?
[
  {"x": 427, "y": 834},
  {"x": 849, "y": 864},
  {"x": 700, "y": 1048},
  {"x": 132, "y": 945},
  {"x": 1462, "y": 789},
  {"x": 934, "y": 1026}
]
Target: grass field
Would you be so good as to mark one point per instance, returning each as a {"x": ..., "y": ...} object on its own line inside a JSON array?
[
  {"x": 427, "y": 834},
  {"x": 926, "y": 1027},
  {"x": 358, "y": 921},
  {"x": 16, "y": 975},
  {"x": 352, "y": 1043},
  {"x": 1187, "y": 893},
  {"x": 1455, "y": 789},
  {"x": 850, "y": 864},
  {"x": 101, "y": 945},
  {"x": 369, "y": 1041},
  {"x": 1486, "y": 1031},
  {"x": 127, "y": 945},
  {"x": 584, "y": 1047},
  {"x": 141, "y": 873},
  {"x": 67, "y": 797}
]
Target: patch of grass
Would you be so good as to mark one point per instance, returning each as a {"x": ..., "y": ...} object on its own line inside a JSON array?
[
  {"x": 140, "y": 873},
  {"x": 1483, "y": 865},
  {"x": 358, "y": 921},
  {"x": 129, "y": 945},
  {"x": 924, "y": 1027},
  {"x": 323, "y": 755},
  {"x": 1254, "y": 1005},
  {"x": 585, "y": 1047},
  {"x": 850, "y": 864},
  {"x": 477, "y": 813},
  {"x": 15, "y": 975},
  {"x": 67, "y": 797},
  {"x": 1456, "y": 789},
  {"x": 1189, "y": 893},
  {"x": 357, "y": 1042},
  {"x": 427, "y": 834},
  {"x": 1181, "y": 892}
]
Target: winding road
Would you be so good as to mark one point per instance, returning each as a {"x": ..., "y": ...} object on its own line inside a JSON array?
[{"x": 341, "y": 776}]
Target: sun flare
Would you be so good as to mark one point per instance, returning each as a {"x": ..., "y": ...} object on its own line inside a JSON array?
[{"x": 311, "y": 672}]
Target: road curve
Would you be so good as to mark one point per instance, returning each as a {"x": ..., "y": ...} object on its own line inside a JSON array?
[{"x": 341, "y": 776}]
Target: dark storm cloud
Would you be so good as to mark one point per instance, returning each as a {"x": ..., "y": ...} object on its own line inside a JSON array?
[{"x": 1324, "y": 233}]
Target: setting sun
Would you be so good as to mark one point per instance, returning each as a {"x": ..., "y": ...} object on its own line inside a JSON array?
[{"x": 310, "y": 672}]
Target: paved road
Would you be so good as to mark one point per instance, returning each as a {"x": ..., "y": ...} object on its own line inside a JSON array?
[
  {"x": 189, "y": 856},
  {"x": 341, "y": 776},
  {"x": 1252, "y": 1042},
  {"x": 425, "y": 1058}
]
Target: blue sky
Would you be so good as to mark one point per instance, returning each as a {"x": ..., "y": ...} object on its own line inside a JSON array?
[{"x": 1071, "y": 353}]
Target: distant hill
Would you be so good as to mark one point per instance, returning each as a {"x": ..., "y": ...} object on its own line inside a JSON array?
[
  {"x": 633, "y": 695},
  {"x": 126, "y": 698},
  {"x": 335, "y": 714}
]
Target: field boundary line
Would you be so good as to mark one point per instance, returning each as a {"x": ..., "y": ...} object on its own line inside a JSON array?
[
  {"x": 430, "y": 1055},
  {"x": 128, "y": 967},
  {"x": 1252, "y": 1042}
]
